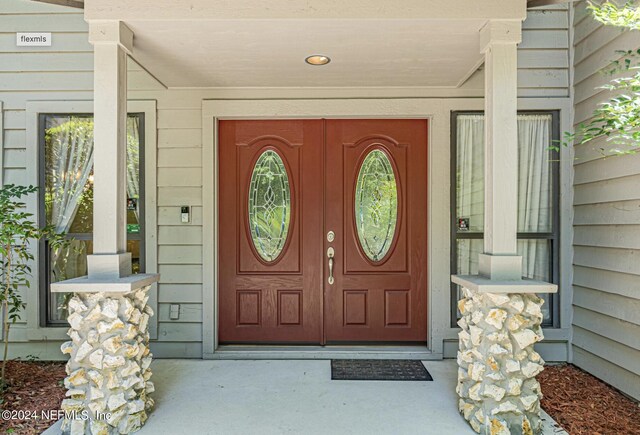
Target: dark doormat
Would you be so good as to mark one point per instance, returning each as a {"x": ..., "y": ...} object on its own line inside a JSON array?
[{"x": 378, "y": 370}]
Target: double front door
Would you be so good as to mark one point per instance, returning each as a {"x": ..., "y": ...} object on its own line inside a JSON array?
[{"x": 322, "y": 231}]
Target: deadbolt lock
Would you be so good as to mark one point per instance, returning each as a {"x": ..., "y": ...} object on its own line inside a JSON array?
[{"x": 331, "y": 236}]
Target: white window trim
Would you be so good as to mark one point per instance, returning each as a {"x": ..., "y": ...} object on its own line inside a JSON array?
[{"x": 36, "y": 332}]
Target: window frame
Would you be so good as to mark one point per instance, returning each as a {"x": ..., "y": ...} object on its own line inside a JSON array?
[
  {"x": 44, "y": 267},
  {"x": 554, "y": 236}
]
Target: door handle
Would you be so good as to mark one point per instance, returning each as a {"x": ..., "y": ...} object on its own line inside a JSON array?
[{"x": 330, "y": 255}]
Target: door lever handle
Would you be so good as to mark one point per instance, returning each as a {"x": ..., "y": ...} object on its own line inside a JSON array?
[{"x": 330, "y": 255}]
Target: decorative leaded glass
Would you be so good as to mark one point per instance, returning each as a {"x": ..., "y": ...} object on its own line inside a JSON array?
[
  {"x": 269, "y": 205},
  {"x": 376, "y": 205}
]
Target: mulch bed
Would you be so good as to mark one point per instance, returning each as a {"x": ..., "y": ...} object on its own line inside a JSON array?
[
  {"x": 583, "y": 404},
  {"x": 33, "y": 387}
]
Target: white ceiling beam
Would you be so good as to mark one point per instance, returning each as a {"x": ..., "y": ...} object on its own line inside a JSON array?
[{"x": 175, "y": 10}]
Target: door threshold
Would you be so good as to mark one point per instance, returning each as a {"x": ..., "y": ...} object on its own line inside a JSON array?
[{"x": 253, "y": 352}]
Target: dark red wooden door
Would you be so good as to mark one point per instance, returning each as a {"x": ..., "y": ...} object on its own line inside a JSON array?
[
  {"x": 284, "y": 187},
  {"x": 270, "y": 283},
  {"x": 379, "y": 291}
]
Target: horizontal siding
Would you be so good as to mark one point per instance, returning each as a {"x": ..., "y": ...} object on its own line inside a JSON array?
[
  {"x": 610, "y": 304},
  {"x": 179, "y": 235},
  {"x": 180, "y": 332},
  {"x": 607, "y": 326},
  {"x": 180, "y": 293},
  {"x": 66, "y": 80},
  {"x": 180, "y": 273},
  {"x": 188, "y": 313},
  {"x": 67, "y": 23},
  {"x": 22, "y": 7},
  {"x": 170, "y": 215},
  {"x": 60, "y": 42},
  {"x": 610, "y": 213},
  {"x": 180, "y": 254},
  {"x": 593, "y": 150},
  {"x": 606, "y": 169},
  {"x": 183, "y": 177},
  {"x": 547, "y": 19},
  {"x": 18, "y": 62},
  {"x": 614, "y": 189},
  {"x": 617, "y": 353},
  {"x": 609, "y": 236},
  {"x": 179, "y": 195},
  {"x": 543, "y": 54},
  {"x": 543, "y": 58},
  {"x": 180, "y": 138},
  {"x": 616, "y": 260},
  {"x": 180, "y": 157},
  {"x": 163, "y": 349},
  {"x": 606, "y": 273},
  {"x": 600, "y": 366}
]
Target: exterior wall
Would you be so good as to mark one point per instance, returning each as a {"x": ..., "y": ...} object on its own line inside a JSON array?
[
  {"x": 606, "y": 273},
  {"x": 64, "y": 72}
]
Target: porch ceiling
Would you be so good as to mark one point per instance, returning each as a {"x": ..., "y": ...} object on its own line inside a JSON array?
[
  {"x": 271, "y": 52},
  {"x": 257, "y": 43}
]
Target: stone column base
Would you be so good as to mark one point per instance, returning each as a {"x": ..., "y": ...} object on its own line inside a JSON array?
[
  {"x": 108, "y": 370},
  {"x": 498, "y": 391}
]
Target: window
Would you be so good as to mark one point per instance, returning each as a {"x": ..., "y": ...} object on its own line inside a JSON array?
[
  {"x": 66, "y": 200},
  {"x": 538, "y": 199}
]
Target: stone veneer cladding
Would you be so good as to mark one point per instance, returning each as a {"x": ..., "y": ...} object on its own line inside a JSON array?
[
  {"x": 498, "y": 391},
  {"x": 108, "y": 370}
]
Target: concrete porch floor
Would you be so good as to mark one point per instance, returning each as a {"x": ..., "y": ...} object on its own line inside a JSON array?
[{"x": 299, "y": 397}]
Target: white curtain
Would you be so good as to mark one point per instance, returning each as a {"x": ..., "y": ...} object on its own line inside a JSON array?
[
  {"x": 534, "y": 190},
  {"x": 133, "y": 161},
  {"x": 70, "y": 164},
  {"x": 470, "y": 191},
  {"x": 69, "y": 161}
]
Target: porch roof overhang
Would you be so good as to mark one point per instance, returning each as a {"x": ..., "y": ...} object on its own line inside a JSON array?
[{"x": 246, "y": 43}]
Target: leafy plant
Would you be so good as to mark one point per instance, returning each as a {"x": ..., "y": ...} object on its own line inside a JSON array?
[
  {"x": 17, "y": 231},
  {"x": 617, "y": 120},
  {"x": 608, "y": 12}
]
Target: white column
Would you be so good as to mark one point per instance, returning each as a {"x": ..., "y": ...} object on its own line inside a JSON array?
[
  {"x": 112, "y": 41},
  {"x": 498, "y": 42}
]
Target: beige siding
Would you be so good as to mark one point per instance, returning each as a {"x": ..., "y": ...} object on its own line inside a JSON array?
[
  {"x": 606, "y": 277},
  {"x": 64, "y": 72}
]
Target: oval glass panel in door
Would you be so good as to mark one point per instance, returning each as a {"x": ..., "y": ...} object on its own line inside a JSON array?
[
  {"x": 376, "y": 205},
  {"x": 269, "y": 205}
]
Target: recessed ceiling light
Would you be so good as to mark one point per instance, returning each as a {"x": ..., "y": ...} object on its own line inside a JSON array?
[{"x": 317, "y": 59}]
